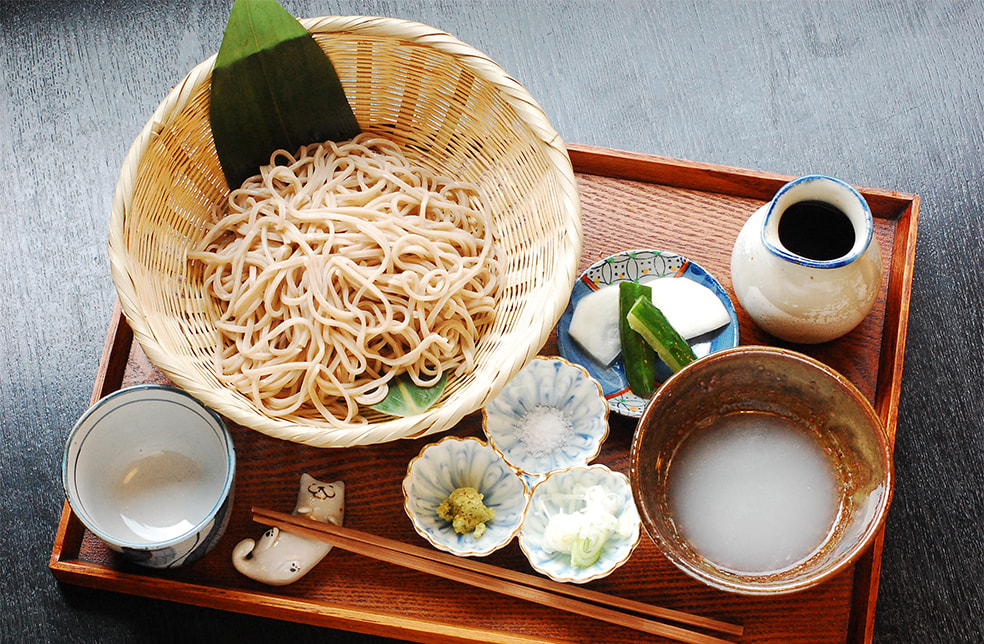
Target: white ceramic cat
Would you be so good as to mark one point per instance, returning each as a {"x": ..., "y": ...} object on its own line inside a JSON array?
[{"x": 280, "y": 558}]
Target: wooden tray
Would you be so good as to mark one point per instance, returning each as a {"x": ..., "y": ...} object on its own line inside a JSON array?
[{"x": 629, "y": 201}]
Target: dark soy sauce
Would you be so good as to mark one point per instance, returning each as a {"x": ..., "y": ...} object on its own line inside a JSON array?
[{"x": 816, "y": 230}]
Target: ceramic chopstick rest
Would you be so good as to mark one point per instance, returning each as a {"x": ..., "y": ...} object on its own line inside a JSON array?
[{"x": 279, "y": 558}]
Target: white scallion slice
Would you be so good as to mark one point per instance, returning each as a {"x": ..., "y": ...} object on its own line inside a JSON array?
[{"x": 586, "y": 548}]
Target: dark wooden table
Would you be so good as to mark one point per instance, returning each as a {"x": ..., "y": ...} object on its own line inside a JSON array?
[{"x": 880, "y": 94}]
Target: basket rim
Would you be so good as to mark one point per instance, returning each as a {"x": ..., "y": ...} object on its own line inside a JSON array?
[{"x": 438, "y": 418}]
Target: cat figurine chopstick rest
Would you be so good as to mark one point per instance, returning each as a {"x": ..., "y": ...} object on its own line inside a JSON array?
[{"x": 280, "y": 558}]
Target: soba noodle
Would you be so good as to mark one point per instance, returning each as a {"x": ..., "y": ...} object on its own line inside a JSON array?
[{"x": 341, "y": 267}]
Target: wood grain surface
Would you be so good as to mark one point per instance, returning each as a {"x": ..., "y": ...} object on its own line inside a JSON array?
[
  {"x": 883, "y": 94},
  {"x": 651, "y": 210}
]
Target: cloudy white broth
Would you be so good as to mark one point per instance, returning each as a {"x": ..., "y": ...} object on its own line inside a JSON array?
[{"x": 753, "y": 492}]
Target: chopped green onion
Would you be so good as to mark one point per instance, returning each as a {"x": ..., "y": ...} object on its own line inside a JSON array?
[{"x": 587, "y": 546}]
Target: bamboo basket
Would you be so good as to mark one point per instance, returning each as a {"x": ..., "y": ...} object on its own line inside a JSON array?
[{"x": 452, "y": 109}]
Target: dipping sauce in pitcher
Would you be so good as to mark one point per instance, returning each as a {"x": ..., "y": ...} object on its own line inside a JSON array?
[{"x": 816, "y": 230}]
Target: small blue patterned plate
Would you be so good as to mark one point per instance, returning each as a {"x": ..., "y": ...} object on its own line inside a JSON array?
[
  {"x": 634, "y": 265},
  {"x": 551, "y": 415},
  {"x": 567, "y": 492},
  {"x": 452, "y": 463}
]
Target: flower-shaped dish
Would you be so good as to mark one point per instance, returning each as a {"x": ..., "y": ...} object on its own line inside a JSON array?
[
  {"x": 452, "y": 463},
  {"x": 566, "y": 491},
  {"x": 635, "y": 265},
  {"x": 550, "y": 416}
]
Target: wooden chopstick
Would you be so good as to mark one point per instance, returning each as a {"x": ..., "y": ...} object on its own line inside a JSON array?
[{"x": 573, "y": 599}]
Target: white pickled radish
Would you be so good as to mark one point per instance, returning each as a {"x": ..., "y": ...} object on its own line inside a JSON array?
[
  {"x": 692, "y": 309},
  {"x": 594, "y": 324}
]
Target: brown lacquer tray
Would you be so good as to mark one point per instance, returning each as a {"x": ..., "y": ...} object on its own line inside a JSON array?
[{"x": 629, "y": 201}]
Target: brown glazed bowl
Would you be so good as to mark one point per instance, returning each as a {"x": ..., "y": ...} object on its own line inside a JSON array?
[{"x": 799, "y": 388}]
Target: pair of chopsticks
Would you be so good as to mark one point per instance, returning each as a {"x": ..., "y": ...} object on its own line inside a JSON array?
[{"x": 570, "y": 598}]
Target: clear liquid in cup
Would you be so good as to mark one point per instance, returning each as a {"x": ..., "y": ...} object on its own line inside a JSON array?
[{"x": 160, "y": 496}]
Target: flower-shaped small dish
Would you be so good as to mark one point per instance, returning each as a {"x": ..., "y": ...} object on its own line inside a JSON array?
[
  {"x": 453, "y": 463},
  {"x": 589, "y": 503},
  {"x": 550, "y": 416},
  {"x": 640, "y": 265}
]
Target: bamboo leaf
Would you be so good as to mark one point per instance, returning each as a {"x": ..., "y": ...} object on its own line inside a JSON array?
[
  {"x": 405, "y": 398},
  {"x": 273, "y": 88}
]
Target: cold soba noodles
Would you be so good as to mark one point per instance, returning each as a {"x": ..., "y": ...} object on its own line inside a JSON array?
[{"x": 341, "y": 267}]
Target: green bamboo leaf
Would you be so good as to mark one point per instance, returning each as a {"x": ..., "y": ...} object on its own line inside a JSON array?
[
  {"x": 405, "y": 398},
  {"x": 272, "y": 88}
]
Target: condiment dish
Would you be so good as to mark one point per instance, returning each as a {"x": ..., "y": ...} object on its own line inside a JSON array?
[
  {"x": 761, "y": 471},
  {"x": 150, "y": 471},
  {"x": 639, "y": 265},
  {"x": 580, "y": 492},
  {"x": 454, "y": 463},
  {"x": 551, "y": 415}
]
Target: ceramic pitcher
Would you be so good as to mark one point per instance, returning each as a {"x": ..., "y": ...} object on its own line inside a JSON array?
[{"x": 806, "y": 266}]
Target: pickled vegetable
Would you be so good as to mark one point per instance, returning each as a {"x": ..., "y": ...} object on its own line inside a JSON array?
[
  {"x": 638, "y": 357},
  {"x": 594, "y": 325},
  {"x": 649, "y": 322},
  {"x": 692, "y": 308}
]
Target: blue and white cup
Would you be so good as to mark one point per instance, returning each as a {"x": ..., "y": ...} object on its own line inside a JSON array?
[{"x": 150, "y": 471}]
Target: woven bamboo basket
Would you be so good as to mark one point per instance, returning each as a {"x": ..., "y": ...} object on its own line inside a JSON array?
[{"x": 453, "y": 110}]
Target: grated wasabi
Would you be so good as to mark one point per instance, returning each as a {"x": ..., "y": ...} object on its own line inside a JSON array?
[{"x": 466, "y": 511}]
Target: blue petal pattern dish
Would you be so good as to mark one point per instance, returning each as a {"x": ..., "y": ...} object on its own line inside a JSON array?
[
  {"x": 454, "y": 462},
  {"x": 555, "y": 384},
  {"x": 633, "y": 265},
  {"x": 559, "y": 387},
  {"x": 554, "y": 495}
]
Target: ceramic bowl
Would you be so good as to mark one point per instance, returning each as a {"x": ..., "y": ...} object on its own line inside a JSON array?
[
  {"x": 150, "y": 471},
  {"x": 551, "y": 415},
  {"x": 564, "y": 491},
  {"x": 761, "y": 471},
  {"x": 635, "y": 265},
  {"x": 452, "y": 463}
]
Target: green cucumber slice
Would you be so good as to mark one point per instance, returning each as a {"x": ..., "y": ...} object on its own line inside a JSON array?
[
  {"x": 638, "y": 357},
  {"x": 649, "y": 322}
]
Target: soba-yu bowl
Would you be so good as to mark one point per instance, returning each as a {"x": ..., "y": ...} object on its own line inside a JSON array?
[
  {"x": 576, "y": 492},
  {"x": 452, "y": 110},
  {"x": 453, "y": 463},
  {"x": 150, "y": 471},
  {"x": 761, "y": 471},
  {"x": 550, "y": 416}
]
